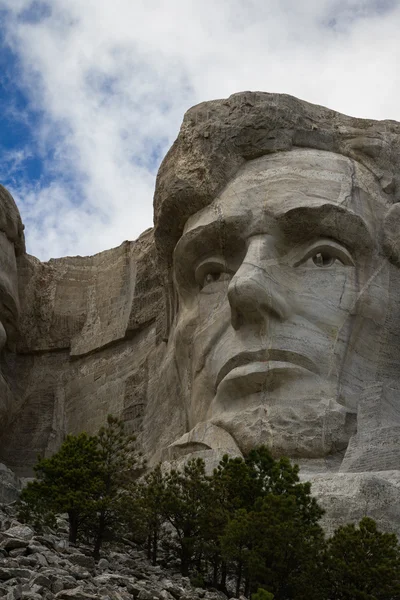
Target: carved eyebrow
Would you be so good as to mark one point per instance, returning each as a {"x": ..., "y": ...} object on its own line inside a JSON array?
[
  {"x": 218, "y": 233},
  {"x": 330, "y": 220},
  {"x": 297, "y": 225}
]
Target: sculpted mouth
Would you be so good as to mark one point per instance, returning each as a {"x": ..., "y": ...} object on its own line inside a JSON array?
[{"x": 265, "y": 356}]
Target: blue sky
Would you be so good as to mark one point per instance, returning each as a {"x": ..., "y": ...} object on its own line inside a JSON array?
[
  {"x": 92, "y": 93},
  {"x": 17, "y": 124}
]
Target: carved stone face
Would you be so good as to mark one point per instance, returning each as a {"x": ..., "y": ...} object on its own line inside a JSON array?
[{"x": 283, "y": 295}]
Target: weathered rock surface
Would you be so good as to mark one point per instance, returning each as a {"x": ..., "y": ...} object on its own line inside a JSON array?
[
  {"x": 86, "y": 330},
  {"x": 45, "y": 567},
  {"x": 10, "y": 485}
]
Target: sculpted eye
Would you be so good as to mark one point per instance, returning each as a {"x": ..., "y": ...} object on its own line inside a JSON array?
[
  {"x": 210, "y": 272},
  {"x": 210, "y": 278},
  {"x": 325, "y": 254},
  {"x": 324, "y": 259}
]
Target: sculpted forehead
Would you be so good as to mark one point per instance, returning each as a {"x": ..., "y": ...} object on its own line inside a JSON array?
[{"x": 276, "y": 184}]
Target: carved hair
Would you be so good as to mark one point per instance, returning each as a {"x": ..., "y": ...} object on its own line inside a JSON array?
[{"x": 10, "y": 221}]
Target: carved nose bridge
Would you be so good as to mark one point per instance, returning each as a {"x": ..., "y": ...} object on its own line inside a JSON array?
[{"x": 255, "y": 296}]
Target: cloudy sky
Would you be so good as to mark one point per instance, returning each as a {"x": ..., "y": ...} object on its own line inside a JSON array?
[{"x": 92, "y": 93}]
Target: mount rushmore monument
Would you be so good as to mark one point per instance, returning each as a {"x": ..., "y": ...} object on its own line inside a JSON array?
[{"x": 263, "y": 308}]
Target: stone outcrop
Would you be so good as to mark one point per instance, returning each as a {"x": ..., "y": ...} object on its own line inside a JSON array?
[
  {"x": 10, "y": 485},
  {"x": 262, "y": 308}
]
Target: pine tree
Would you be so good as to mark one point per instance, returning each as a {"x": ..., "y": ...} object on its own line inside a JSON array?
[
  {"x": 286, "y": 549},
  {"x": 236, "y": 545},
  {"x": 272, "y": 538},
  {"x": 88, "y": 478},
  {"x": 146, "y": 510},
  {"x": 185, "y": 506},
  {"x": 117, "y": 471},
  {"x": 67, "y": 482},
  {"x": 363, "y": 563}
]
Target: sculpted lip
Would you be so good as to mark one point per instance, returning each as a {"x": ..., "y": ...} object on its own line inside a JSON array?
[{"x": 246, "y": 358}]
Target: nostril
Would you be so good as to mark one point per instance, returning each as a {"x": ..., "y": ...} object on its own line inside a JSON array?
[
  {"x": 245, "y": 301},
  {"x": 236, "y": 318},
  {"x": 254, "y": 298}
]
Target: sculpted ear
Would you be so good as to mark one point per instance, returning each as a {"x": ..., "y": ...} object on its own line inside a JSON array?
[{"x": 391, "y": 234}]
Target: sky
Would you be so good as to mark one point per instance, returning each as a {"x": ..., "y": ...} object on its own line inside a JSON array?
[{"x": 92, "y": 93}]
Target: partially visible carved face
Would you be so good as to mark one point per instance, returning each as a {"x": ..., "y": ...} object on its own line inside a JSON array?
[
  {"x": 283, "y": 294},
  {"x": 9, "y": 307},
  {"x": 8, "y": 289}
]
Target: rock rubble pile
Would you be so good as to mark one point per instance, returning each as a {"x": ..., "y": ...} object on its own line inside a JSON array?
[{"x": 45, "y": 567}]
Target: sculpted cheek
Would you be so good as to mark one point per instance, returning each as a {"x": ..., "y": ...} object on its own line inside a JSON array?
[
  {"x": 3, "y": 336},
  {"x": 391, "y": 235}
]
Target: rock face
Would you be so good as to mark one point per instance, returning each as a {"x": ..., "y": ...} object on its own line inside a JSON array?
[
  {"x": 262, "y": 308},
  {"x": 87, "y": 326},
  {"x": 10, "y": 485}
]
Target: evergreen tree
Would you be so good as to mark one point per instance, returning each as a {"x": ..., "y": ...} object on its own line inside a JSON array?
[
  {"x": 117, "y": 463},
  {"x": 286, "y": 549},
  {"x": 363, "y": 563},
  {"x": 272, "y": 538},
  {"x": 145, "y": 507},
  {"x": 36, "y": 510},
  {"x": 67, "y": 482},
  {"x": 185, "y": 508},
  {"x": 236, "y": 544},
  {"x": 88, "y": 478}
]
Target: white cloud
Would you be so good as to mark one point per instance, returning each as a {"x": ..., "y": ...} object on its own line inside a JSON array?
[{"x": 114, "y": 78}]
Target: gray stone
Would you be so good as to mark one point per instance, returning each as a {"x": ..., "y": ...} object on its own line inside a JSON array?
[
  {"x": 146, "y": 594},
  {"x": 11, "y": 543},
  {"x": 15, "y": 593},
  {"x": 173, "y": 588},
  {"x": 75, "y": 594},
  {"x": 22, "y": 532},
  {"x": 113, "y": 579},
  {"x": 10, "y": 485},
  {"x": 41, "y": 559},
  {"x": 165, "y": 595},
  {"x": 103, "y": 564},
  {"x": 82, "y": 561},
  {"x": 17, "y": 552},
  {"x": 41, "y": 580},
  {"x": 9, "y": 573},
  {"x": 64, "y": 582}
]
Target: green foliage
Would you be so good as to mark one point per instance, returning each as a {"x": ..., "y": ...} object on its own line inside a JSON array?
[
  {"x": 65, "y": 483},
  {"x": 197, "y": 580},
  {"x": 185, "y": 505},
  {"x": 34, "y": 509},
  {"x": 273, "y": 540},
  {"x": 117, "y": 463},
  {"x": 252, "y": 521},
  {"x": 86, "y": 479},
  {"x": 144, "y": 510},
  {"x": 363, "y": 563},
  {"x": 262, "y": 594}
]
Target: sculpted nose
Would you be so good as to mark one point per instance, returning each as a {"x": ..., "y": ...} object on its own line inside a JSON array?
[{"x": 255, "y": 296}]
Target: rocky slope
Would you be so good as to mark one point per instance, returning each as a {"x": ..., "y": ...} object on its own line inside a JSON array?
[{"x": 43, "y": 567}]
